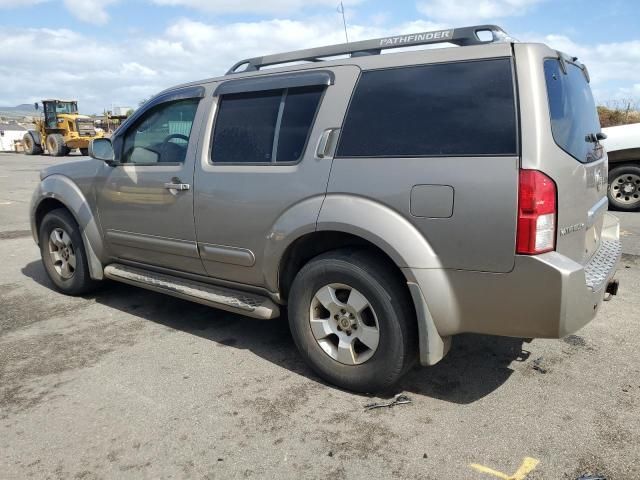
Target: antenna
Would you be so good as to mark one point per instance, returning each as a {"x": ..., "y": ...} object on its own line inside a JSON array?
[{"x": 344, "y": 22}]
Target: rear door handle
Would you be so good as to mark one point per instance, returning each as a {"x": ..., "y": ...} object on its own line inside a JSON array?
[{"x": 326, "y": 144}]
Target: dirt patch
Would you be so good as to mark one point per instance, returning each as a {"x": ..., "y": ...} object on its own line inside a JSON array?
[
  {"x": 20, "y": 310},
  {"x": 30, "y": 365},
  {"x": 365, "y": 439},
  {"x": 276, "y": 413},
  {"x": 629, "y": 259},
  {"x": 590, "y": 465},
  {"x": 12, "y": 234},
  {"x": 575, "y": 341}
]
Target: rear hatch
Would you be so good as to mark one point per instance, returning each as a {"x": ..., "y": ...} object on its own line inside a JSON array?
[{"x": 573, "y": 157}]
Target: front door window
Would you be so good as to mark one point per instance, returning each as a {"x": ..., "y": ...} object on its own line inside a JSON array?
[{"x": 161, "y": 135}]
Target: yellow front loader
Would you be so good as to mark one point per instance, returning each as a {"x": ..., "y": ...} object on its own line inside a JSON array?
[{"x": 60, "y": 129}]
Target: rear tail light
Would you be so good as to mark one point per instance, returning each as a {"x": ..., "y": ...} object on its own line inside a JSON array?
[{"x": 536, "y": 213}]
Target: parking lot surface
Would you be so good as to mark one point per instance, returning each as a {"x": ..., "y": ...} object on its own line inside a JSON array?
[{"x": 126, "y": 383}]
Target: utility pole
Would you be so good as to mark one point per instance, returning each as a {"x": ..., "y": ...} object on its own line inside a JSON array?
[{"x": 344, "y": 22}]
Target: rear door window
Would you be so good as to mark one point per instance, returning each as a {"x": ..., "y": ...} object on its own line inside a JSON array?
[
  {"x": 264, "y": 127},
  {"x": 450, "y": 109},
  {"x": 572, "y": 110}
]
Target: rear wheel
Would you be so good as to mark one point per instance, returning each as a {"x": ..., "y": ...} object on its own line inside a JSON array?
[
  {"x": 353, "y": 321},
  {"x": 624, "y": 187},
  {"x": 30, "y": 145},
  {"x": 56, "y": 146},
  {"x": 84, "y": 152},
  {"x": 63, "y": 253}
]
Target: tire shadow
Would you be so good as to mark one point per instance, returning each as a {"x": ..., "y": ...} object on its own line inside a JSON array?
[{"x": 476, "y": 366}]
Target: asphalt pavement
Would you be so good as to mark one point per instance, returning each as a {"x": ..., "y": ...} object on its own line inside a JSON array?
[{"x": 127, "y": 383}]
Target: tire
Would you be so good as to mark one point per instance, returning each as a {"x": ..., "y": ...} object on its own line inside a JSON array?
[
  {"x": 624, "y": 187},
  {"x": 75, "y": 280},
  {"x": 30, "y": 145},
  {"x": 84, "y": 152},
  {"x": 389, "y": 308},
  {"x": 56, "y": 146}
]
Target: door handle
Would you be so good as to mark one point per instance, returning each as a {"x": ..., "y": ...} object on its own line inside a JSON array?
[
  {"x": 175, "y": 184},
  {"x": 325, "y": 144}
]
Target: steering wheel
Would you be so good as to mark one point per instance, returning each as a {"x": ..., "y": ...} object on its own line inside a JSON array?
[{"x": 168, "y": 138}]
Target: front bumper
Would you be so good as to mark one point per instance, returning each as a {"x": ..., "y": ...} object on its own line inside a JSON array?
[{"x": 544, "y": 296}]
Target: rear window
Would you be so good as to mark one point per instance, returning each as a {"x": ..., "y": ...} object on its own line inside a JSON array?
[
  {"x": 572, "y": 109},
  {"x": 449, "y": 109}
]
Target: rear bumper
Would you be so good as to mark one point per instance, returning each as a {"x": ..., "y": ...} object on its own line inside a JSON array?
[{"x": 544, "y": 296}]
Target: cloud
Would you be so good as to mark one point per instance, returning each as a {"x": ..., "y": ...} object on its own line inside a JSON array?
[
  {"x": 613, "y": 67},
  {"x": 277, "y": 7},
  {"x": 19, "y": 3},
  {"x": 90, "y": 11},
  {"x": 459, "y": 12},
  {"x": 122, "y": 71}
]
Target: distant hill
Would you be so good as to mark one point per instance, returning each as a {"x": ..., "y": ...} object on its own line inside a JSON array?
[{"x": 24, "y": 110}]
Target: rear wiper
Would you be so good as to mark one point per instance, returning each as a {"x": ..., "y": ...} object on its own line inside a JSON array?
[{"x": 595, "y": 137}]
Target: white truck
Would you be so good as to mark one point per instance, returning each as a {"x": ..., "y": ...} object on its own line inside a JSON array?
[{"x": 623, "y": 147}]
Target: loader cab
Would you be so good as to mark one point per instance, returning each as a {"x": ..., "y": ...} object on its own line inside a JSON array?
[{"x": 52, "y": 108}]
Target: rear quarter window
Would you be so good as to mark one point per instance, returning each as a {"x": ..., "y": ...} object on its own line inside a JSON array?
[
  {"x": 450, "y": 109},
  {"x": 572, "y": 110}
]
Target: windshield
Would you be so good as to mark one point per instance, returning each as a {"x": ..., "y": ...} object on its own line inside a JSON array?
[
  {"x": 573, "y": 111},
  {"x": 66, "y": 107}
]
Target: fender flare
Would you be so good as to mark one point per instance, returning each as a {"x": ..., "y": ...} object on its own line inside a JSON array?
[
  {"x": 293, "y": 223},
  {"x": 64, "y": 190},
  {"x": 380, "y": 225}
]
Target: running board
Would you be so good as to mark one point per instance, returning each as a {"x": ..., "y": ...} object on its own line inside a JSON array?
[{"x": 236, "y": 301}]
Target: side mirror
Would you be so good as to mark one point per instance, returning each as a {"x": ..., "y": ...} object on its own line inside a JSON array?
[{"x": 102, "y": 149}]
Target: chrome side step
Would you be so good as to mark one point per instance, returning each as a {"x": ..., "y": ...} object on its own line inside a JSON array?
[{"x": 236, "y": 301}]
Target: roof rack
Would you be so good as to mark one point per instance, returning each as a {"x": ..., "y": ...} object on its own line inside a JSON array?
[{"x": 458, "y": 36}]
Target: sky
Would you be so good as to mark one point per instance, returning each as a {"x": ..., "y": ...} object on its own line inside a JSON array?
[{"x": 108, "y": 53}]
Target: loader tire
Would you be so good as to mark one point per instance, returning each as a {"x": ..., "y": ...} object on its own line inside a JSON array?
[
  {"x": 56, "y": 146},
  {"x": 30, "y": 145}
]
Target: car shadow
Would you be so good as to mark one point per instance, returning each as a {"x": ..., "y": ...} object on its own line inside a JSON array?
[{"x": 476, "y": 366}]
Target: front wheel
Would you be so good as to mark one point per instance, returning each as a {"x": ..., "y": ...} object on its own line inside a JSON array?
[
  {"x": 84, "y": 152},
  {"x": 353, "y": 321},
  {"x": 63, "y": 253},
  {"x": 624, "y": 187},
  {"x": 56, "y": 146}
]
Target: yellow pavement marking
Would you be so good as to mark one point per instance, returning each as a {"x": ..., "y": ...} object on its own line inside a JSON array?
[{"x": 528, "y": 466}]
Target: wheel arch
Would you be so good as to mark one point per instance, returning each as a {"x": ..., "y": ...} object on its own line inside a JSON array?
[
  {"x": 310, "y": 245},
  {"x": 354, "y": 222},
  {"x": 58, "y": 191},
  {"x": 352, "y": 217}
]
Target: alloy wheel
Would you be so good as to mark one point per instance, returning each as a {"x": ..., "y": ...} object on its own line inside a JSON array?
[
  {"x": 344, "y": 324},
  {"x": 62, "y": 253}
]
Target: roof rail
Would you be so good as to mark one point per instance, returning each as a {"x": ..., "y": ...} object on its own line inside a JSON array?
[{"x": 459, "y": 36}]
